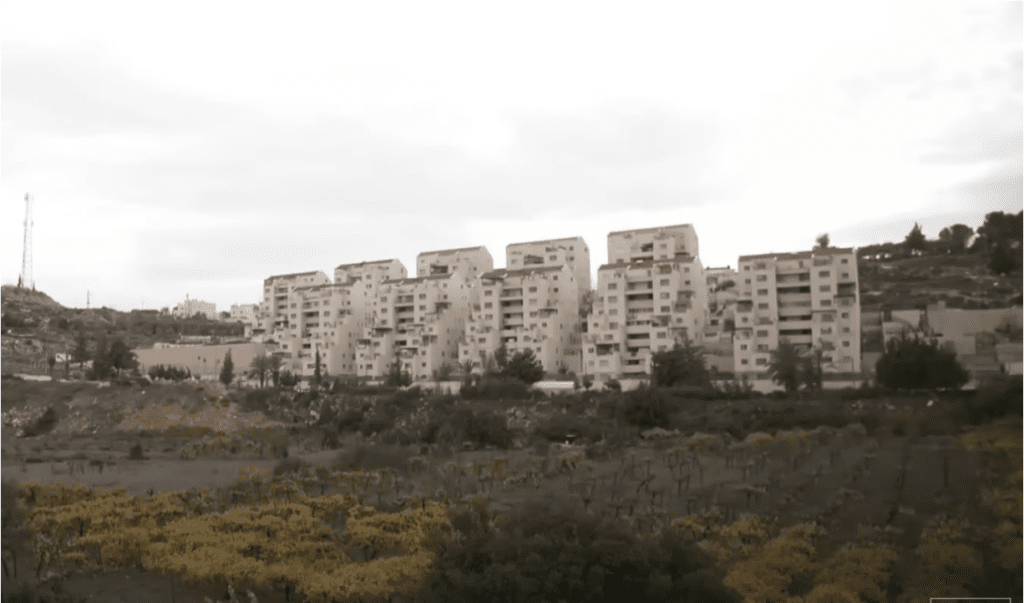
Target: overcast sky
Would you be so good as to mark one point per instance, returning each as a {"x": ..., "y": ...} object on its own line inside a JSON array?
[{"x": 199, "y": 147}]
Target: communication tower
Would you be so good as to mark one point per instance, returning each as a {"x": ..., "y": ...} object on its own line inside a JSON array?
[{"x": 25, "y": 279}]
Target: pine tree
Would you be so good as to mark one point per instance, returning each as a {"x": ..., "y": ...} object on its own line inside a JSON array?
[{"x": 227, "y": 372}]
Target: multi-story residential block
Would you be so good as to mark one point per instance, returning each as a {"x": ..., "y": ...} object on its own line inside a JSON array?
[
  {"x": 535, "y": 308},
  {"x": 647, "y": 244},
  {"x": 330, "y": 318},
  {"x": 641, "y": 308},
  {"x": 417, "y": 322},
  {"x": 810, "y": 298},
  {"x": 571, "y": 251},
  {"x": 470, "y": 262},
  {"x": 191, "y": 307},
  {"x": 277, "y": 305}
]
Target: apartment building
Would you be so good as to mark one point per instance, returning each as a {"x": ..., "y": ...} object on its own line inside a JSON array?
[
  {"x": 417, "y": 322},
  {"x": 370, "y": 273},
  {"x": 648, "y": 244},
  {"x": 534, "y": 308},
  {"x": 810, "y": 298},
  {"x": 277, "y": 305},
  {"x": 470, "y": 262},
  {"x": 191, "y": 307},
  {"x": 641, "y": 308},
  {"x": 572, "y": 252}
]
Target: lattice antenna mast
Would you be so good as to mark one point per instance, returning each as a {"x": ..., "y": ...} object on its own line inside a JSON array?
[{"x": 25, "y": 279}]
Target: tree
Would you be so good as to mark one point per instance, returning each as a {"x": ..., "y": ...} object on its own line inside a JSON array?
[
  {"x": 121, "y": 356},
  {"x": 957, "y": 235},
  {"x": 467, "y": 372},
  {"x": 444, "y": 372},
  {"x": 81, "y": 352},
  {"x": 525, "y": 367},
  {"x": 787, "y": 366},
  {"x": 821, "y": 242},
  {"x": 682, "y": 365},
  {"x": 227, "y": 372},
  {"x": 915, "y": 238},
  {"x": 588, "y": 382},
  {"x": 1000, "y": 262},
  {"x": 259, "y": 367},
  {"x": 51, "y": 360},
  {"x": 396, "y": 376},
  {"x": 917, "y": 363},
  {"x": 316, "y": 368},
  {"x": 101, "y": 367},
  {"x": 287, "y": 379},
  {"x": 274, "y": 363},
  {"x": 1001, "y": 228},
  {"x": 501, "y": 357},
  {"x": 812, "y": 368}
]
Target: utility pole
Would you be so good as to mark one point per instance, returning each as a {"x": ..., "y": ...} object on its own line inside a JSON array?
[{"x": 87, "y": 299}]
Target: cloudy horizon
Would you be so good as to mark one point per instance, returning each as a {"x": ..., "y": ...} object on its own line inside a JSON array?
[{"x": 181, "y": 149}]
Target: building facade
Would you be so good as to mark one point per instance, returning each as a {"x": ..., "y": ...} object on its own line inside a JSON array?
[
  {"x": 649, "y": 244},
  {"x": 572, "y": 252},
  {"x": 277, "y": 305},
  {"x": 535, "y": 308},
  {"x": 470, "y": 262},
  {"x": 191, "y": 307},
  {"x": 415, "y": 323},
  {"x": 809, "y": 298},
  {"x": 641, "y": 308}
]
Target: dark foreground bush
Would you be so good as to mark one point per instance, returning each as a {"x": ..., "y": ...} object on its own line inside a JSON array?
[
  {"x": 497, "y": 388},
  {"x": 482, "y": 428},
  {"x": 998, "y": 398},
  {"x": 647, "y": 407},
  {"x": 44, "y": 424},
  {"x": 547, "y": 552}
]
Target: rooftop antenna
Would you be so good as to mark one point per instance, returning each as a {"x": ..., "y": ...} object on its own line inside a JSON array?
[{"x": 25, "y": 278}]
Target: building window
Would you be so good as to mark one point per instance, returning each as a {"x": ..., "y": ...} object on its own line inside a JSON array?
[
  {"x": 762, "y": 333},
  {"x": 824, "y": 288},
  {"x": 488, "y": 292},
  {"x": 744, "y": 361},
  {"x": 666, "y": 309},
  {"x": 612, "y": 312},
  {"x": 488, "y": 316},
  {"x": 488, "y": 305},
  {"x": 846, "y": 344},
  {"x": 423, "y": 296},
  {"x": 743, "y": 347},
  {"x": 846, "y": 314},
  {"x": 846, "y": 329},
  {"x": 762, "y": 306},
  {"x": 762, "y": 292},
  {"x": 826, "y": 302},
  {"x": 844, "y": 261},
  {"x": 661, "y": 335},
  {"x": 846, "y": 275},
  {"x": 824, "y": 274},
  {"x": 612, "y": 286},
  {"x": 533, "y": 289},
  {"x": 422, "y": 308},
  {"x": 664, "y": 282},
  {"x": 762, "y": 278},
  {"x": 746, "y": 281},
  {"x": 760, "y": 362},
  {"x": 612, "y": 299},
  {"x": 613, "y": 325},
  {"x": 687, "y": 283},
  {"x": 666, "y": 295}
]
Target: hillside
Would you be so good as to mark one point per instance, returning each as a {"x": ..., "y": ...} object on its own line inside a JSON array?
[
  {"x": 961, "y": 280},
  {"x": 35, "y": 326}
]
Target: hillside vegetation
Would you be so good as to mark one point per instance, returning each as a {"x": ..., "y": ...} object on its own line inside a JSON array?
[{"x": 35, "y": 327}]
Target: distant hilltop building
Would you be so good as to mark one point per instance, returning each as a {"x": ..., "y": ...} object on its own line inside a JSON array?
[{"x": 191, "y": 307}]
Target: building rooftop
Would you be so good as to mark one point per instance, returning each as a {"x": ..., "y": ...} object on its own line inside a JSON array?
[
  {"x": 646, "y": 230},
  {"x": 361, "y": 264},
  {"x": 580, "y": 239},
  {"x": 292, "y": 275},
  {"x": 418, "y": 279},
  {"x": 505, "y": 272},
  {"x": 451, "y": 251},
  {"x": 798, "y": 255}
]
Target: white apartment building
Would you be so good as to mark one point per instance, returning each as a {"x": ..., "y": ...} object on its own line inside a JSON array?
[
  {"x": 641, "y": 308},
  {"x": 810, "y": 298},
  {"x": 277, "y": 306},
  {"x": 191, "y": 307},
  {"x": 534, "y": 308},
  {"x": 373, "y": 273},
  {"x": 659, "y": 243},
  {"x": 571, "y": 251},
  {"x": 417, "y": 321},
  {"x": 470, "y": 262}
]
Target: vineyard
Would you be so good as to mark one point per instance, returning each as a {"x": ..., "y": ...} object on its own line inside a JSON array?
[{"x": 878, "y": 503}]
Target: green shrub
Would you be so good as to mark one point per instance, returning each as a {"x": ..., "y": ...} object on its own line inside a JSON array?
[
  {"x": 366, "y": 457},
  {"x": 44, "y": 424},
  {"x": 135, "y": 454}
]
